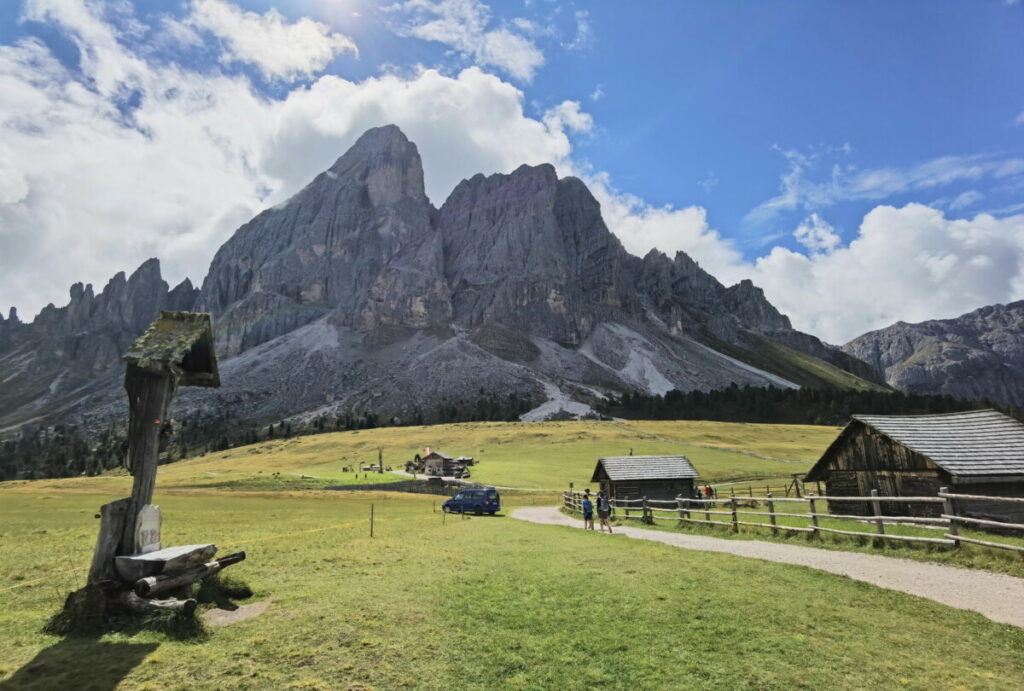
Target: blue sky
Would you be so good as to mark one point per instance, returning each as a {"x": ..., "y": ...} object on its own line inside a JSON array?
[{"x": 862, "y": 161}]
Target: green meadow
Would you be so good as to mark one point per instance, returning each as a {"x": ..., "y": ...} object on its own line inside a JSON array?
[
  {"x": 441, "y": 602},
  {"x": 436, "y": 602}
]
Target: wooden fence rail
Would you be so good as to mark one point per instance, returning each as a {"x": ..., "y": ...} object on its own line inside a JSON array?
[{"x": 684, "y": 511}]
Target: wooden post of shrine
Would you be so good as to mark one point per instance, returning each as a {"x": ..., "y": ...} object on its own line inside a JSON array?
[
  {"x": 176, "y": 350},
  {"x": 149, "y": 404}
]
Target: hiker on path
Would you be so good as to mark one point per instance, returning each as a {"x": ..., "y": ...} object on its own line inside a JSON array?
[
  {"x": 604, "y": 510},
  {"x": 588, "y": 511}
]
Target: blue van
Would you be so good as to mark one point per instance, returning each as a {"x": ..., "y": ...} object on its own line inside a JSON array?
[{"x": 476, "y": 500}]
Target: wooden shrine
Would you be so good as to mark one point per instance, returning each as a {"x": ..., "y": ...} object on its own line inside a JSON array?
[{"x": 130, "y": 564}]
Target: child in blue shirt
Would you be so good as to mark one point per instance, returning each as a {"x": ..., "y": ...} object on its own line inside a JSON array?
[{"x": 588, "y": 511}]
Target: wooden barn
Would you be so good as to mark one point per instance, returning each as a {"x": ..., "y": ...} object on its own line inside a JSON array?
[
  {"x": 654, "y": 477},
  {"x": 978, "y": 452}
]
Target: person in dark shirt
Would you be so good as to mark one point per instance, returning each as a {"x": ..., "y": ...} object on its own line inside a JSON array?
[
  {"x": 604, "y": 510},
  {"x": 588, "y": 511}
]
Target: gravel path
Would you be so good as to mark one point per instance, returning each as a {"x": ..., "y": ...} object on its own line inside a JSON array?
[{"x": 997, "y": 596}]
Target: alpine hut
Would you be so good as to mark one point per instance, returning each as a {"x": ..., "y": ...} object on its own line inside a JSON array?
[
  {"x": 654, "y": 477},
  {"x": 979, "y": 452},
  {"x": 439, "y": 464}
]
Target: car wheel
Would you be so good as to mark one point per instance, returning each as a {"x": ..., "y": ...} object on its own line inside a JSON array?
[
  {"x": 479, "y": 510},
  {"x": 492, "y": 512}
]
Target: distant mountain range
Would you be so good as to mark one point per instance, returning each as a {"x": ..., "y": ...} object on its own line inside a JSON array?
[
  {"x": 357, "y": 295},
  {"x": 979, "y": 354}
]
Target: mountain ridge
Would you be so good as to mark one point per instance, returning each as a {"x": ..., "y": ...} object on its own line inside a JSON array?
[
  {"x": 357, "y": 294},
  {"x": 978, "y": 354}
]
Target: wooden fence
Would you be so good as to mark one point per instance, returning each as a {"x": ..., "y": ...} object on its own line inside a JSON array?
[{"x": 730, "y": 510}]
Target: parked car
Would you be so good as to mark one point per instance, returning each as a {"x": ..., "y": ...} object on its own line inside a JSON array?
[{"x": 476, "y": 500}]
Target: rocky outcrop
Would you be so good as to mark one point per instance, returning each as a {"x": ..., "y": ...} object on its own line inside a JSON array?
[
  {"x": 67, "y": 352},
  {"x": 357, "y": 295},
  {"x": 357, "y": 243},
  {"x": 979, "y": 354}
]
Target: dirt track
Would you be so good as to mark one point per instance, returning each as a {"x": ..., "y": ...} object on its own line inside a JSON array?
[{"x": 996, "y": 596}]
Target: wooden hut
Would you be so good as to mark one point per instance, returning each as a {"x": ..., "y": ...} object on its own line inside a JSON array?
[
  {"x": 654, "y": 477},
  {"x": 977, "y": 452}
]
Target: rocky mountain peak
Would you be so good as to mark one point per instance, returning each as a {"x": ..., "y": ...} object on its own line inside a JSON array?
[{"x": 386, "y": 163}]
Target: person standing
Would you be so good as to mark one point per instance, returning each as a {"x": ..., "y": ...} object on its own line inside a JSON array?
[
  {"x": 604, "y": 510},
  {"x": 588, "y": 511}
]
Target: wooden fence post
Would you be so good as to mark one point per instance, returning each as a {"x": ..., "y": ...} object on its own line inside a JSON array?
[
  {"x": 647, "y": 513},
  {"x": 707, "y": 510},
  {"x": 735, "y": 525},
  {"x": 750, "y": 491},
  {"x": 950, "y": 510},
  {"x": 876, "y": 506},
  {"x": 771, "y": 514},
  {"x": 814, "y": 517},
  {"x": 681, "y": 503}
]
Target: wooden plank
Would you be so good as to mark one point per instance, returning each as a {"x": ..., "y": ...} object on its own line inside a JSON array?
[
  {"x": 135, "y": 566},
  {"x": 909, "y": 500},
  {"x": 985, "y": 521},
  {"x": 153, "y": 585},
  {"x": 973, "y": 497},
  {"x": 112, "y": 519},
  {"x": 986, "y": 543}
]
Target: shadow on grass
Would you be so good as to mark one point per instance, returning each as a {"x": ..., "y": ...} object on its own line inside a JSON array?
[{"x": 80, "y": 663}]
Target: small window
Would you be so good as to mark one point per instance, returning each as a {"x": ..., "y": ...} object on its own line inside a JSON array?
[
  {"x": 460, "y": 495},
  {"x": 492, "y": 494}
]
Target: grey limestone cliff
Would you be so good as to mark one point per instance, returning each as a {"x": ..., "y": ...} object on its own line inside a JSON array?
[{"x": 979, "y": 354}]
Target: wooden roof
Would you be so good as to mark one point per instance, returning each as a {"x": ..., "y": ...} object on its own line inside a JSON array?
[
  {"x": 182, "y": 339},
  {"x": 971, "y": 444},
  {"x": 645, "y": 468}
]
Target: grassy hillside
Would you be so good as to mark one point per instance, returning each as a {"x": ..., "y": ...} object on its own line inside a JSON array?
[
  {"x": 532, "y": 455},
  {"x": 796, "y": 366},
  {"x": 477, "y": 603}
]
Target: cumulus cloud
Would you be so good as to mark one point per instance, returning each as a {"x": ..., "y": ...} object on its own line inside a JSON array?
[
  {"x": 568, "y": 116},
  {"x": 124, "y": 156},
  {"x": 910, "y": 263},
  {"x": 280, "y": 49},
  {"x": 817, "y": 235},
  {"x": 466, "y": 26}
]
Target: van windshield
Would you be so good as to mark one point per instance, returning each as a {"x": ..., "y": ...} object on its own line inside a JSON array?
[{"x": 492, "y": 494}]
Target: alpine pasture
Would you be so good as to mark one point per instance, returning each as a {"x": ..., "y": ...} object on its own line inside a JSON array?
[{"x": 435, "y": 601}]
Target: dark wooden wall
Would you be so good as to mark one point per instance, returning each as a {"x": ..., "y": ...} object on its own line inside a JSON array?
[
  {"x": 652, "y": 489},
  {"x": 1011, "y": 512},
  {"x": 867, "y": 460}
]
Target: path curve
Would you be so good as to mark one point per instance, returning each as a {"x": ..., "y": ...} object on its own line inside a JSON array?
[{"x": 996, "y": 596}]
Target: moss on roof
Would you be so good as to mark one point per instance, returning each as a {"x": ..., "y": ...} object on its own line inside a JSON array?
[{"x": 182, "y": 338}]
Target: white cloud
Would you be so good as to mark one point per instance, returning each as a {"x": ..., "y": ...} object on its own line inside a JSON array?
[
  {"x": 965, "y": 199},
  {"x": 89, "y": 187},
  {"x": 817, "y": 235},
  {"x": 908, "y": 263},
  {"x": 797, "y": 190},
  {"x": 465, "y": 26},
  {"x": 278, "y": 48},
  {"x": 584, "y": 37},
  {"x": 597, "y": 94},
  {"x": 568, "y": 116}
]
